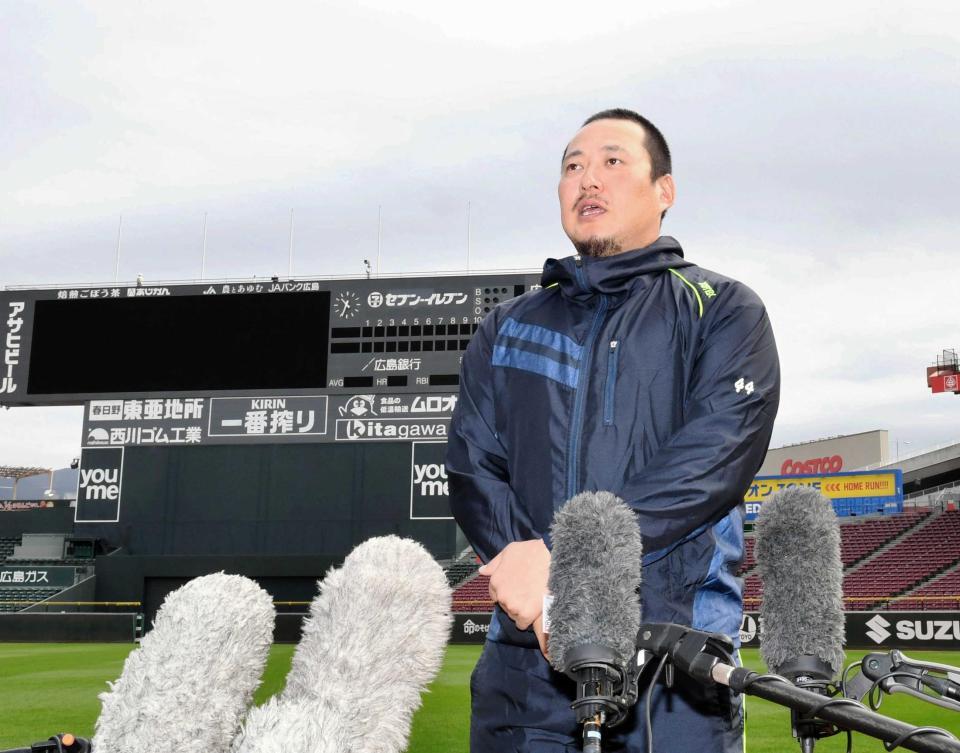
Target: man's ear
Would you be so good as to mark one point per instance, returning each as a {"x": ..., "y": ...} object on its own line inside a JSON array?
[{"x": 666, "y": 191}]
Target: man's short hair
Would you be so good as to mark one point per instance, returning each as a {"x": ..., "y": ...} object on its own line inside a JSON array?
[{"x": 654, "y": 142}]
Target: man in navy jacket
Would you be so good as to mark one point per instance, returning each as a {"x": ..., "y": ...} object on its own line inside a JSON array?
[{"x": 633, "y": 371}]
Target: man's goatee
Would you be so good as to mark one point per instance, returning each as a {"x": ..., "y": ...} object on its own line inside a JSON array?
[{"x": 598, "y": 247}]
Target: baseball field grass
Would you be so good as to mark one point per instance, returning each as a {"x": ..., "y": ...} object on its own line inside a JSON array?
[{"x": 47, "y": 688}]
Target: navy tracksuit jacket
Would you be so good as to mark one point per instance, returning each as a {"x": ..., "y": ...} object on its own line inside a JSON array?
[{"x": 640, "y": 374}]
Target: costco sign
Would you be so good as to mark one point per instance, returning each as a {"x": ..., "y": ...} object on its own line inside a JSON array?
[{"x": 831, "y": 464}]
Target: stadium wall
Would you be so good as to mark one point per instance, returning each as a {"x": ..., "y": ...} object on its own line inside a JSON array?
[
  {"x": 267, "y": 500},
  {"x": 77, "y": 627},
  {"x": 149, "y": 579}
]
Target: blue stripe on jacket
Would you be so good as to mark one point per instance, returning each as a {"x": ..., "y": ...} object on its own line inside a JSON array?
[
  {"x": 538, "y": 364},
  {"x": 542, "y": 336}
]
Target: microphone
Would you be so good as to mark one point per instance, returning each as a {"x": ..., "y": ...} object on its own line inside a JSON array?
[
  {"x": 801, "y": 618},
  {"x": 595, "y": 614},
  {"x": 374, "y": 639},
  {"x": 188, "y": 685}
]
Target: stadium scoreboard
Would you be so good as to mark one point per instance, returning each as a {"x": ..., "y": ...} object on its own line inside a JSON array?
[
  {"x": 67, "y": 346},
  {"x": 255, "y": 408}
]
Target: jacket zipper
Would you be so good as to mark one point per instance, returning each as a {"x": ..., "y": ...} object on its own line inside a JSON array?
[
  {"x": 578, "y": 271},
  {"x": 611, "y": 386},
  {"x": 576, "y": 425}
]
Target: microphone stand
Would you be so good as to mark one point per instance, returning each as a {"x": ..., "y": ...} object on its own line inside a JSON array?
[
  {"x": 696, "y": 653},
  {"x": 814, "y": 674},
  {"x": 895, "y": 672},
  {"x": 606, "y": 689}
]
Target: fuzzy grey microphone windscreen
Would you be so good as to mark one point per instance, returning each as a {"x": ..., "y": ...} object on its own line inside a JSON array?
[
  {"x": 798, "y": 558},
  {"x": 374, "y": 639},
  {"x": 594, "y": 577},
  {"x": 189, "y": 684}
]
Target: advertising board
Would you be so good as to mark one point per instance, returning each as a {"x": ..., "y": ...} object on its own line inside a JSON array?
[
  {"x": 36, "y": 576},
  {"x": 99, "y": 485},
  {"x": 429, "y": 490},
  {"x": 851, "y": 493},
  {"x": 267, "y": 419},
  {"x": 867, "y": 631}
]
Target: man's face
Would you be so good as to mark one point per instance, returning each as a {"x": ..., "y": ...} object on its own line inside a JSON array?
[{"x": 608, "y": 203}]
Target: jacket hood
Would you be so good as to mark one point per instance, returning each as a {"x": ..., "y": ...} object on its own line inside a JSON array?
[{"x": 581, "y": 277}]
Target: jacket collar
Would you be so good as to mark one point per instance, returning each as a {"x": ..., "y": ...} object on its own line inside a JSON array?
[{"x": 582, "y": 277}]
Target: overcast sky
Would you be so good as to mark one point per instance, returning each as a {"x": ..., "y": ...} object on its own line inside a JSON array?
[{"x": 815, "y": 146}]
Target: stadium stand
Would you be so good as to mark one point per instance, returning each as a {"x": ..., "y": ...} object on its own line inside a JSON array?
[
  {"x": 13, "y": 599},
  {"x": 863, "y": 538},
  {"x": 752, "y": 592},
  {"x": 928, "y": 550},
  {"x": 883, "y": 558},
  {"x": 748, "y": 558},
  {"x": 941, "y": 592},
  {"x": 460, "y": 570},
  {"x": 20, "y": 550},
  {"x": 39, "y": 546},
  {"x": 473, "y": 596},
  {"x": 886, "y": 560},
  {"x": 7, "y": 544},
  {"x": 32, "y": 550},
  {"x": 916, "y": 553}
]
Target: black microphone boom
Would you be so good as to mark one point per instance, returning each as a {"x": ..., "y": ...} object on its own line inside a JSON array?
[
  {"x": 708, "y": 658},
  {"x": 845, "y": 713}
]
